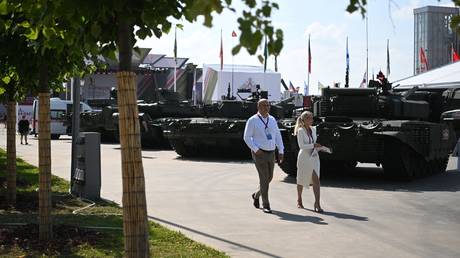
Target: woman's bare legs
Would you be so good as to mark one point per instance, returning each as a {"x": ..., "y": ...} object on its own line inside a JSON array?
[
  {"x": 299, "y": 196},
  {"x": 316, "y": 192}
]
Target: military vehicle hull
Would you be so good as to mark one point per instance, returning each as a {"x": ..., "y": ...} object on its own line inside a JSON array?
[
  {"x": 405, "y": 149},
  {"x": 211, "y": 137},
  {"x": 390, "y": 130}
]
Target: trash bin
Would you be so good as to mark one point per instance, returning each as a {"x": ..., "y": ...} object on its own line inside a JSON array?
[{"x": 87, "y": 175}]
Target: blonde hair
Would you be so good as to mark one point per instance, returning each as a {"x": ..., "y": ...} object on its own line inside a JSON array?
[{"x": 300, "y": 124}]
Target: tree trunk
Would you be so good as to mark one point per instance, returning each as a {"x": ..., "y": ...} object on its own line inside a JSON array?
[
  {"x": 11, "y": 153},
  {"x": 44, "y": 157},
  {"x": 135, "y": 223},
  {"x": 44, "y": 164}
]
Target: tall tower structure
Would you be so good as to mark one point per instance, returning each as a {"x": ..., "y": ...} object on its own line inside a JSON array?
[{"x": 434, "y": 37}]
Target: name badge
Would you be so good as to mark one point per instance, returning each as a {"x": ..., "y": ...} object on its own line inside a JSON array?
[{"x": 268, "y": 134}]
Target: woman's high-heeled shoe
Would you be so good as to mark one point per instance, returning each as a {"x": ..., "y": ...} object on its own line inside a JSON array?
[
  {"x": 299, "y": 204},
  {"x": 317, "y": 208}
]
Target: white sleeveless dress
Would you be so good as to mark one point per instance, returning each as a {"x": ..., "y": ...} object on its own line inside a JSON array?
[{"x": 308, "y": 158}]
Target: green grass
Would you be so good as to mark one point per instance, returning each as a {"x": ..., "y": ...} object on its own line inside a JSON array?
[{"x": 163, "y": 242}]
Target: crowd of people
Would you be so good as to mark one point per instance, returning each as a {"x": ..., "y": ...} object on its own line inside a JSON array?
[{"x": 263, "y": 136}]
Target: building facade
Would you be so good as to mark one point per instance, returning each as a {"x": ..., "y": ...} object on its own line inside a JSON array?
[{"x": 433, "y": 37}]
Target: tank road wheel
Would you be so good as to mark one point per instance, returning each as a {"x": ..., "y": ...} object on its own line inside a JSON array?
[
  {"x": 289, "y": 165},
  {"x": 397, "y": 163},
  {"x": 438, "y": 165},
  {"x": 402, "y": 162},
  {"x": 182, "y": 149}
]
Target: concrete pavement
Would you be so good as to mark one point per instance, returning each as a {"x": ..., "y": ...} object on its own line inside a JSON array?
[{"x": 209, "y": 201}]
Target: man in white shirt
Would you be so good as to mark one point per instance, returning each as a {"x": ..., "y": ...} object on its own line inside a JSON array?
[{"x": 262, "y": 136}]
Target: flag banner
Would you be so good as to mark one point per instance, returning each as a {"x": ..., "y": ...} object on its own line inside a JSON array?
[
  {"x": 364, "y": 81},
  {"x": 388, "y": 58},
  {"x": 221, "y": 53},
  {"x": 423, "y": 61},
  {"x": 306, "y": 89},
  {"x": 309, "y": 56},
  {"x": 265, "y": 54},
  {"x": 455, "y": 56},
  {"x": 233, "y": 34}
]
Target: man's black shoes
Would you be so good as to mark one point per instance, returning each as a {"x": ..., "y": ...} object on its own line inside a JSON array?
[
  {"x": 255, "y": 201},
  {"x": 267, "y": 210}
]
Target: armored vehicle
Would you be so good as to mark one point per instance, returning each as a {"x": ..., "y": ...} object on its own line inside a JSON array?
[
  {"x": 219, "y": 133},
  {"x": 105, "y": 120},
  {"x": 400, "y": 130}
]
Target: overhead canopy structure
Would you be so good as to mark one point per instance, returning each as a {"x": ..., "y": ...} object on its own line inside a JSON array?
[
  {"x": 447, "y": 76},
  {"x": 154, "y": 61},
  {"x": 235, "y": 78}
]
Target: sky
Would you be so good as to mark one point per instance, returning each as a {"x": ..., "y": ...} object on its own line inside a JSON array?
[{"x": 328, "y": 26}]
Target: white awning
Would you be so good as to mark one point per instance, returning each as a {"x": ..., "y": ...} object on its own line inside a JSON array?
[{"x": 447, "y": 76}]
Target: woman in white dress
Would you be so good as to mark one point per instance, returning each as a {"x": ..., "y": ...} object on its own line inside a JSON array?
[{"x": 308, "y": 164}]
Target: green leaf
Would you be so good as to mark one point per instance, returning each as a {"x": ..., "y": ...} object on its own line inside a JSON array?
[
  {"x": 251, "y": 3},
  {"x": 236, "y": 49},
  {"x": 32, "y": 33},
  {"x": 3, "y": 7},
  {"x": 6, "y": 79},
  {"x": 261, "y": 59},
  {"x": 25, "y": 24}
]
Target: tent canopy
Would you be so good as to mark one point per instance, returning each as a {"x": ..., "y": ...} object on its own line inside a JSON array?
[{"x": 447, "y": 76}]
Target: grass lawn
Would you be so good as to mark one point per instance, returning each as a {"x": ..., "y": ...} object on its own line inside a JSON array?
[{"x": 92, "y": 232}]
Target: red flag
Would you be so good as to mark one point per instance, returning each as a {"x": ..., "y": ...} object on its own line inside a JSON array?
[
  {"x": 221, "y": 53},
  {"x": 233, "y": 34},
  {"x": 309, "y": 56},
  {"x": 423, "y": 61},
  {"x": 455, "y": 56}
]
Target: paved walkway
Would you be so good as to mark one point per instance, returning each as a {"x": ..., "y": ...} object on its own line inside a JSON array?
[{"x": 209, "y": 201}]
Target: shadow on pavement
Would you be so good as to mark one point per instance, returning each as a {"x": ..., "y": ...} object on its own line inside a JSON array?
[
  {"x": 341, "y": 215},
  {"x": 217, "y": 160},
  {"x": 372, "y": 178},
  {"x": 213, "y": 237},
  {"x": 298, "y": 218}
]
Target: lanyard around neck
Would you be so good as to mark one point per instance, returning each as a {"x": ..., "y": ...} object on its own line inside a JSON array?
[{"x": 265, "y": 123}]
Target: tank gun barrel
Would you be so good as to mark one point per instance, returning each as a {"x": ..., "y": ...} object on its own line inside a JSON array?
[
  {"x": 284, "y": 85},
  {"x": 409, "y": 92}
]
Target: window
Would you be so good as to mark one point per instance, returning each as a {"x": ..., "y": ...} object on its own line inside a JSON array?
[{"x": 57, "y": 115}]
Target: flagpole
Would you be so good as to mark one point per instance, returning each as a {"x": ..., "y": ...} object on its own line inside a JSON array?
[
  {"x": 309, "y": 62},
  {"x": 175, "y": 59},
  {"x": 367, "y": 51},
  {"x": 347, "y": 72},
  {"x": 232, "y": 63},
  {"x": 388, "y": 59}
]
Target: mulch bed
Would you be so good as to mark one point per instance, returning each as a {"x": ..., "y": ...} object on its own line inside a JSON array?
[{"x": 65, "y": 238}]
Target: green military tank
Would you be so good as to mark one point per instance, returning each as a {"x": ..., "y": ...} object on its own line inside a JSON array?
[
  {"x": 219, "y": 131},
  {"x": 168, "y": 104},
  {"x": 400, "y": 130}
]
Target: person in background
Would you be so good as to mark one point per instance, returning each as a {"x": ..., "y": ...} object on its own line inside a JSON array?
[
  {"x": 23, "y": 127},
  {"x": 4, "y": 120},
  {"x": 308, "y": 163},
  {"x": 262, "y": 136}
]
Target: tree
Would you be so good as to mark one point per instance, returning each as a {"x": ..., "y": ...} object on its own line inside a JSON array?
[
  {"x": 51, "y": 41},
  {"x": 12, "y": 89},
  {"x": 112, "y": 26}
]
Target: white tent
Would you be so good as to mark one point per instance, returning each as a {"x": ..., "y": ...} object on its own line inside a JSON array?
[
  {"x": 216, "y": 82},
  {"x": 447, "y": 76}
]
